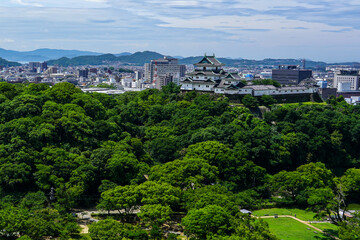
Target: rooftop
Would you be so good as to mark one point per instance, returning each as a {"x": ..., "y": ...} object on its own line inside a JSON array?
[{"x": 210, "y": 61}]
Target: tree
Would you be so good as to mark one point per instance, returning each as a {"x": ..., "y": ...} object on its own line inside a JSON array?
[
  {"x": 298, "y": 185},
  {"x": 110, "y": 229},
  {"x": 266, "y": 82},
  {"x": 186, "y": 173},
  {"x": 34, "y": 201},
  {"x": 154, "y": 214},
  {"x": 207, "y": 221},
  {"x": 215, "y": 153},
  {"x": 268, "y": 100},
  {"x": 120, "y": 198},
  {"x": 62, "y": 92},
  {"x": 328, "y": 202},
  {"x": 159, "y": 193},
  {"x": 250, "y": 101},
  {"x": 350, "y": 229},
  {"x": 163, "y": 150},
  {"x": 211, "y": 195},
  {"x": 8, "y": 90}
]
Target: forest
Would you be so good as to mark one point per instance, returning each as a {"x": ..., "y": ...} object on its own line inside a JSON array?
[{"x": 157, "y": 162}]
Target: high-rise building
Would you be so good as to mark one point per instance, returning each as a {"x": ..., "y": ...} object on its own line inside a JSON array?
[
  {"x": 138, "y": 75},
  {"x": 83, "y": 73},
  {"x": 290, "y": 75},
  {"x": 347, "y": 80},
  {"x": 163, "y": 67},
  {"x": 38, "y": 66}
]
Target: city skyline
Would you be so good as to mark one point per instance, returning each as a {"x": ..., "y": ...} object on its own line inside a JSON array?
[{"x": 324, "y": 30}]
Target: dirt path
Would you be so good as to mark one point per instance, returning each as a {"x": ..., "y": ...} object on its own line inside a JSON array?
[
  {"x": 84, "y": 228},
  {"x": 303, "y": 222}
]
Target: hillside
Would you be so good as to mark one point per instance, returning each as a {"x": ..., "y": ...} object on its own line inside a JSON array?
[
  {"x": 138, "y": 58},
  {"x": 42, "y": 54},
  {"x": 6, "y": 63}
]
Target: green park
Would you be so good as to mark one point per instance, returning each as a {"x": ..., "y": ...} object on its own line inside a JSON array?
[{"x": 162, "y": 164}]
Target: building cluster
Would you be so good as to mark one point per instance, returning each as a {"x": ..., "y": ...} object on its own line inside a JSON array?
[
  {"x": 208, "y": 75},
  {"x": 83, "y": 76}
]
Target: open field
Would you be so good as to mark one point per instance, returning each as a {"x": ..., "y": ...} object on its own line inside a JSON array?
[
  {"x": 301, "y": 214},
  {"x": 290, "y": 229}
]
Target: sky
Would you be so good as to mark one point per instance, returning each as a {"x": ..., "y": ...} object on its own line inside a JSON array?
[{"x": 325, "y": 30}]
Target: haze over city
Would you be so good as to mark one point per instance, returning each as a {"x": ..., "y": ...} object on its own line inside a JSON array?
[{"x": 325, "y": 30}]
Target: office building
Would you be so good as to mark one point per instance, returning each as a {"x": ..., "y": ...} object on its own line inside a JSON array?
[
  {"x": 347, "y": 80},
  {"x": 163, "y": 80},
  {"x": 290, "y": 75},
  {"x": 38, "y": 66},
  {"x": 164, "y": 67},
  {"x": 83, "y": 73}
]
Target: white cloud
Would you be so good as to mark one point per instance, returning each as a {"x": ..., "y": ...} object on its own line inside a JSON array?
[
  {"x": 28, "y": 3},
  {"x": 237, "y": 28},
  {"x": 7, "y": 40}
]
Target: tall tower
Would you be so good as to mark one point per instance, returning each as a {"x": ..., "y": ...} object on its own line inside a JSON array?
[{"x": 303, "y": 63}]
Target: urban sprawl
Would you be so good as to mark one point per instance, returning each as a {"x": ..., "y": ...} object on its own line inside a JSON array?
[{"x": 207, "y": 76}]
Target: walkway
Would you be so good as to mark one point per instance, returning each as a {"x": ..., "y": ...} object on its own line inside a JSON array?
[{"x": 303, "y": 222}]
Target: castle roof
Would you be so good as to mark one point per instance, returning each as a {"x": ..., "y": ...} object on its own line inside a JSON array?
[{"x": 209, "y": 61}]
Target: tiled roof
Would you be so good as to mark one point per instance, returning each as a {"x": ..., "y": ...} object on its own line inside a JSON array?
[{"x": 209, "y": 61}]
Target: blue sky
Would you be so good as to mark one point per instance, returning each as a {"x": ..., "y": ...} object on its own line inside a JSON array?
[{"x": 326, "y": 30}]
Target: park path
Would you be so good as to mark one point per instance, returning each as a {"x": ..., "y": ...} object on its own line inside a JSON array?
[{"x": 303, "y": 222}]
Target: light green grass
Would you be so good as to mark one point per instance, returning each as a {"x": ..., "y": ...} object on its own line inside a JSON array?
[
  {"x": 290, "y": 229},
  {"x": 354, "y": 206},
  {"x": 301, "y": 214},
  {"x": 303, "y": 103},
  {"x": 327, "y": 227}
]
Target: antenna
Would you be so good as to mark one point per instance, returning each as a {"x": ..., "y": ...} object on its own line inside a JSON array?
[{"x": 303, "y": 63}]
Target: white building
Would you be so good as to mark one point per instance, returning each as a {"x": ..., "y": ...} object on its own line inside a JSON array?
[
  {"x": 207, "y": 74},
  {"x": 346, "y": 76}
]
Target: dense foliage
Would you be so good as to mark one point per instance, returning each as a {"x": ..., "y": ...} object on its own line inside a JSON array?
[{"x": 171, "y": 156}]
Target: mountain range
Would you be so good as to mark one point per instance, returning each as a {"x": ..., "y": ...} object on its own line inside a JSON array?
[
  {"x": 45, "y": 54},
  {"x": 78, "y": 58},
  {"x": 138, "y": 58}
]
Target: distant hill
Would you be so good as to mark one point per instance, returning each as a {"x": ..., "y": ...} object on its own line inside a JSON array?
[
  {"x": 5, "y": 63},
  {"x": 138, "y": 58},
  {"x": 123, "y": 54},
  {"x": 43, "y": 54}
]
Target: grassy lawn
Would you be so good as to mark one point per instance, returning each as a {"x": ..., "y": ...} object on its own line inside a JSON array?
[
  {"x": 301, "y": 214},
  {"x": 303, "y": 103},
  {"x": 354, "y": 206},
  {"x": 327, "y": 227},
  {"x": 290, "y": 229}
]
